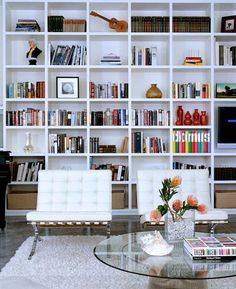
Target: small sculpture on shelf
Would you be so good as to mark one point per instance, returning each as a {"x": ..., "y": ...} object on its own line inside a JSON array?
[
  {"x": 34, "y": 52},
  {"x": 196, "y": 117},
  {"x": 154, "y": 92},
  {"x": 187, "y": 118},
  {"x": 180, "y": 115},
  {"x": 28, "y": 148},
  {"x": 204, "y": 118}
]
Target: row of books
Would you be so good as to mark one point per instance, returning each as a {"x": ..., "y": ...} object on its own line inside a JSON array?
[
  {"x": 95, "y": 147},
  {"x": 108, "y": 90},
  {"x": 142, "y": 144},
  {"x": 145, "y": 117},
  {"x": 191, "y": 24},
  {"x": 67, "y": 55},
  {"x": 119, "y": 172},
  {"x": 116, "y": 117},
  {"x": 211, "y": 248},
  {"x": 26, "y": 89},
  {"x": 225, "y": 173},
  {"x": 150, "y": 24},
  {"x": 162, "y": 24},
  {"x": 28, "y": 117},
  {"x": 60, "y": 24},
  {"x": 61, "y": 117},
  {"x": 27, "y": 25},
  {"x": 25, "y": 172},
  {"x": 191, "y": 141},
  {"x": 61, "y": 143},
  {"x": 225, "y": 54},
  {"x": 182, "y": 166},
  {"x": 191, "y": 90},
  {"x": 144, "y": 56}
]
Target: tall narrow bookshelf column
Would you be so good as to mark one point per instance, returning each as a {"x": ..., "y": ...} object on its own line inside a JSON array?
[{"x": 112, "y": 113}]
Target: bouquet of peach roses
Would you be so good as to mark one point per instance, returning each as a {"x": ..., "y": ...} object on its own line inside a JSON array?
[{"x": 178, "y": 207}]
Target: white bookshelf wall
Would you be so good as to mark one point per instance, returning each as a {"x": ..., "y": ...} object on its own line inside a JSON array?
[{"x": 100, "y": 40}]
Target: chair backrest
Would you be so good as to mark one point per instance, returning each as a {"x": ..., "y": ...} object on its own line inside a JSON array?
[
  {"x": 194, "y": 182},
  {"x": 60, "y": 190}
]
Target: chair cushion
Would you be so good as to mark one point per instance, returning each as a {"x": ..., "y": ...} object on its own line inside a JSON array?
[
  {"x": 212, "y": 215},
  {"x": 38, "y": 216}
]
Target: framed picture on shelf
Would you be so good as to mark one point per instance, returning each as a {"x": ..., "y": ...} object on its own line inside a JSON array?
[
  {"x": 67, "y": 87},
  {"x": 228, "y": 24},
  {"x": 226, "y": 90}
]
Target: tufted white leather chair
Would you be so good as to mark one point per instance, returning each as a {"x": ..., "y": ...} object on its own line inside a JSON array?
[
  {"x": 72, "y": 198},
  {"x": 194, "y": 182}
]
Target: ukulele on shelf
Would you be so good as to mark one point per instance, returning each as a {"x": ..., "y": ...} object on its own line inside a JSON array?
[{"x": 119, "y": 26}]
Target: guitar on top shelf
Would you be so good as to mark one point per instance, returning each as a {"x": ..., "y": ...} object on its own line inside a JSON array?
[{"x": 118, "y": 25}]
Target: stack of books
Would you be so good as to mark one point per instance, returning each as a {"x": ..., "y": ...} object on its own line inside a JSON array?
[
  {"x": 26, "y": 89},
  {"x": 193, "y": 60},
  {"x": 27, "y": 25},
  {"x": 110, "y": 59},
  {"x": 211, "y": 248}
]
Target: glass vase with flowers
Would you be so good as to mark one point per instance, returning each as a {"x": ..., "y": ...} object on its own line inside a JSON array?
[{"x": 179, "y": 221}]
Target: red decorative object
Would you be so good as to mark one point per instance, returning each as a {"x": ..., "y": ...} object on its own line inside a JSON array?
[
  {"x": 196, "y": 117},
  {"x": 180, "y": 115},
  {"x": 187, "y": 118},
  {"x": 204, "y": 118}
]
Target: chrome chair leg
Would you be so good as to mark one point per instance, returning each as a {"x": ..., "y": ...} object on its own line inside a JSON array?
[
  {"x": 108, "y": 230},
  {"x": 212, "y": 229},
  {"x": 36, "y": 238}
]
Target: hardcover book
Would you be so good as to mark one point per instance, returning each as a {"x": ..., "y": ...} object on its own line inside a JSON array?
[{"x": 211, "y": 248}]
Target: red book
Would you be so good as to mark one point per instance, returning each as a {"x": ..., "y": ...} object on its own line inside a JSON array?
[{"x": 115, "y": 116}]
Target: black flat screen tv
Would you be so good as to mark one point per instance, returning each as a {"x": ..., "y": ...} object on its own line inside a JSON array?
[{"x": 226, "y": 127}]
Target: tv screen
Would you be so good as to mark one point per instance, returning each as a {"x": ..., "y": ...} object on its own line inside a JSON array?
[{"x": 226, "y": 127}]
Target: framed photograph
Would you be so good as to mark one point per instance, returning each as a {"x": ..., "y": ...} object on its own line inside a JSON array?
[
  {"x": 228, "y": 24},
  {"x": 67, "y": 87},
  {"x": 226, "y": 90}
]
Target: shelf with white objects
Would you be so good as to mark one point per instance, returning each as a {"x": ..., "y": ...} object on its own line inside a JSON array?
[{"x": 170, "y": 47}]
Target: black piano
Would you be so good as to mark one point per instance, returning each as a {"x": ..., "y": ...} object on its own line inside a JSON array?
[{"x": 5, "y": 178}]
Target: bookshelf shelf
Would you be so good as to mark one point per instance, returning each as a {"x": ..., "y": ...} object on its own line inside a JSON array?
[
  {"x": 23, "y": 183},
  {"x": 172, "y": 48}
]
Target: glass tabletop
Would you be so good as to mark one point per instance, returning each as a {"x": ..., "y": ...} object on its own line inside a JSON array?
[{"x": 124, "y": 252}]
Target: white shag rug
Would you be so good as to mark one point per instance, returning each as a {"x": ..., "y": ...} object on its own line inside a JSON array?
[{"x": 68, "y": 262}]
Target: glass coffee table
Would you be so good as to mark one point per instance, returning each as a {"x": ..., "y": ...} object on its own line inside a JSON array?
[{"x": 124, "y": 252}]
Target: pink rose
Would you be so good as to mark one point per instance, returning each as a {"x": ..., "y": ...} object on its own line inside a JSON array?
[
  {"x": 192, "y": 201},
  {"x": 203, "y": 209},
  {"x": 177, "y": 205},
  {"x": 155, "y": 216}
]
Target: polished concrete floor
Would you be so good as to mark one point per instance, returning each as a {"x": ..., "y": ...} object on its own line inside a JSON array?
[{"x": 17, "y": 231}]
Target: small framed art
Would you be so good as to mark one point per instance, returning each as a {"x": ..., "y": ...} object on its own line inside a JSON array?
[
  {"x": 226, "y": 90},
  {"x": 228, "y": 24},
  {"x": 67, "y": 87}
]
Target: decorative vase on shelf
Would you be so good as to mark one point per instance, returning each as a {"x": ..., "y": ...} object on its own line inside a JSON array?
[
  {"x": 187, "y": 118},
  {"x": 180, "y": 115},
  {"x": 196, "y": 117},
  {"x": 28, "y": 148},
  {"x": 153, "y": 92},
  {"x": 182, "y": 228},
  {"x": 203, "y": 118}
]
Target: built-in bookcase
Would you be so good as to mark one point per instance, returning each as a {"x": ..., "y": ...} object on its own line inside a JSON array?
[{"x": 100, "y": 40}]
